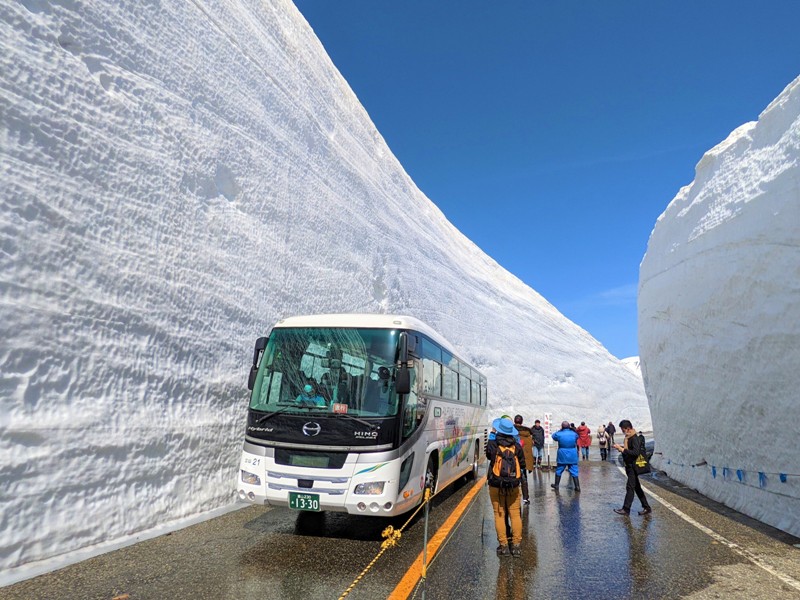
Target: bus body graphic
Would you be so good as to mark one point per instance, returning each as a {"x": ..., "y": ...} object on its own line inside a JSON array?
[
  {"x": 355, "y": 413},
  {"x": 371, "y": 469}
]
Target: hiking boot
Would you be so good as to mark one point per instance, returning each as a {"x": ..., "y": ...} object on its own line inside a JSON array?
[
  {"x": 646, "y": 510},
  {"x": 622, "y": 511},
  {"x": 502, "y": 551},
  {"x": 516, "y": 552}
]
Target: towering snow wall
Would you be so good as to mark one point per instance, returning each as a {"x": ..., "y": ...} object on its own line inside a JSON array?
[
  {"x": 719, "y": 321},
  {"x": 176, "y": 177}
]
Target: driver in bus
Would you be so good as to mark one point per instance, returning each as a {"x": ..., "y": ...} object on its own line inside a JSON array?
[{"x": 308, "y": 397}]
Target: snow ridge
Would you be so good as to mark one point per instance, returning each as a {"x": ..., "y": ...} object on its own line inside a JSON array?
[
  {"x": 176, "y": 178},
  {"x": 719, "y": 320}
]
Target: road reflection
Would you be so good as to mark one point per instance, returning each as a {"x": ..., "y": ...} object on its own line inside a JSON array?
[
  {"x": 511, "y": 579},
  {"x": 639, "y": 563}
]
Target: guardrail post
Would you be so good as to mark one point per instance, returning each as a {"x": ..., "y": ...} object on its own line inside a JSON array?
[{"x": 425, "y": 542}]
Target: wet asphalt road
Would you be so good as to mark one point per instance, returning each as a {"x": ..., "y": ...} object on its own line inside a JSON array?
[{"x": 574, "y": 546}]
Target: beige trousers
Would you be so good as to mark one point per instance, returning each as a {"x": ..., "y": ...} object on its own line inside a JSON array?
[{"x": 507, "y": 502}]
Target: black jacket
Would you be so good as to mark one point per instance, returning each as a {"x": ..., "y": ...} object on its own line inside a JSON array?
[
  {"x": 538, "y": 436},
  {"x": 635, "y": 448},
  {"x": 504, "y": 440}
]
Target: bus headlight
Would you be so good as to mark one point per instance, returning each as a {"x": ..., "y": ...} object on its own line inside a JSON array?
[
  {"x": 250, "y": 478},
  {"x": 373, "y": 488}
]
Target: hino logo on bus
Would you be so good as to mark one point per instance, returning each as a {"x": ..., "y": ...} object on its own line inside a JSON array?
[
  {"x": 365, "y": 435},
  {"x": 311, "y": 429}
]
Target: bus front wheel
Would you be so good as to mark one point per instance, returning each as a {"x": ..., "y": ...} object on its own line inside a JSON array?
[
  {"x": 473, "y": 474},
  {"x": 430, "y": 474}
]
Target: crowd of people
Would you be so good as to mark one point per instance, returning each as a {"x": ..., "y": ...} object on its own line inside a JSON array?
[{"x": 514, "y": 450}]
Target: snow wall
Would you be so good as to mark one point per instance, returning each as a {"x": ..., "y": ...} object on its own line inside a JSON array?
[
  {"x": 719, "y": 321},
  {"x": 177, "y": 177}
]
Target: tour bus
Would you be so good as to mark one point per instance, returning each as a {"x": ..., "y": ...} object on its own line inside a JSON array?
[{"x": 358, "y": 414}]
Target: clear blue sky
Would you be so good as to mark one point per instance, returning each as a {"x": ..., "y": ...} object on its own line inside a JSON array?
[{"x": 554, "y": 133}]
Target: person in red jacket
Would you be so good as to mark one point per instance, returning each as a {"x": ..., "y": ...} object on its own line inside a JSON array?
[{"x": 584, "y": 440}]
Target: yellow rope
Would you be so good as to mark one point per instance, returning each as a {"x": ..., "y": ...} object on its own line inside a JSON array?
[{"x": 392, "y": 536}]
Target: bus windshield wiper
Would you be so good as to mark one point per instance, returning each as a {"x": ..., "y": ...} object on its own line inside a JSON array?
[
  {"x": 372, "y": 426},
  {"x": 260, "y": 420}
]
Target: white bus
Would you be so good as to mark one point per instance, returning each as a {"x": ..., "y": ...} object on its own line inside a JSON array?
[{"x": 357, "y": 414}]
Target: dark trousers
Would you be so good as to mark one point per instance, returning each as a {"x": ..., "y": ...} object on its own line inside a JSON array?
[
  {"x": 524, "y": 484},
  {"x": 633, "y": 487}
]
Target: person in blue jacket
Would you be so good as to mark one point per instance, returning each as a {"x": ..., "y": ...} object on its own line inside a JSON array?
[
  {"x": 308, "y": 397},
  {"x": 567, "y": 440}
]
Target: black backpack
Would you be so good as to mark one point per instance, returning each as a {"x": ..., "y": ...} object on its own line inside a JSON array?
[{"x": 505, "y": 471}]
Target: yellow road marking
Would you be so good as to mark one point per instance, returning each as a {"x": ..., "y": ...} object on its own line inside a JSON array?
[{"x": 409, "y": 581}]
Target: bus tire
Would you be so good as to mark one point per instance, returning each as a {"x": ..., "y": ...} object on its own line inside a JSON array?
[
  {"x": 431, "y": 473},
  {"x": 472, "y": 475}
]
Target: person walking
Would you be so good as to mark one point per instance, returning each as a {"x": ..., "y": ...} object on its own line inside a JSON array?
[
  {"x": 506, "y": 463},
  {"x": 567, "y": 455},
  {"x": 584, "y": 440},
  {"x": 537, "y": 431},
  {"x": 611, "y": 430},
  {"x": 526, "y": 441},
  {"x": 602, "y": 441},
  {"x": 631, "y": 449}
]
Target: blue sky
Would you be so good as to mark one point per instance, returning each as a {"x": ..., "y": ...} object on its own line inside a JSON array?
[{"x": 554, "y": 133}]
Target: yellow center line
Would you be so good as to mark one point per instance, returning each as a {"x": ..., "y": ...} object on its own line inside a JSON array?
[{"x": 412, "y": 576}]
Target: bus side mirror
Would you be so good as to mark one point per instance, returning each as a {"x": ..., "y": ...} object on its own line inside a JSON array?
[
  {"x": 403, "y": 346},
  {"x": 258, "y": 351},
  {"x": 402, "y": 380}
]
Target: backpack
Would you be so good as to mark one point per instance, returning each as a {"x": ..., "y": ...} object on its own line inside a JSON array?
[{"x": 505, "y": 470}]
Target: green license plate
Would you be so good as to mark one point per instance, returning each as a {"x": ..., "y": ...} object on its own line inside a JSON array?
[{"x": 300, "y": 501}]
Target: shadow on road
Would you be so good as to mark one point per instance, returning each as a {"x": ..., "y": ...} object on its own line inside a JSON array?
[{"x": 342, "y": 525}]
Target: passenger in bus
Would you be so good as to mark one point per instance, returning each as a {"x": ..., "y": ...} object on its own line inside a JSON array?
[
  {"x": 308, "y": 397},
  {"x": 325, "y": 387}
]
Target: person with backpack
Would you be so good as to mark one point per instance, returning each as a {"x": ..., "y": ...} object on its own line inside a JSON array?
[
  {"x": 631, "y": 450},
  {"x": 526, "y": 441},
  {"x": 602, "y": 441},
  {"x": 504, "y": 477},
  {"x": 567, "y": 456}
]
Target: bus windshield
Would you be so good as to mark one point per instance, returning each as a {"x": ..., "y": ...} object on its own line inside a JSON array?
[{"x": 322, "y": 369}]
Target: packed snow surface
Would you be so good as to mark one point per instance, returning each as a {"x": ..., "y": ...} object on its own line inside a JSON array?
[
  {"x": 177, "y": 177},
  {"x": 719, "y": 321}
]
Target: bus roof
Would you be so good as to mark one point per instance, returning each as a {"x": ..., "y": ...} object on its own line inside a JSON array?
[{"x": 367, "y": 321}]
